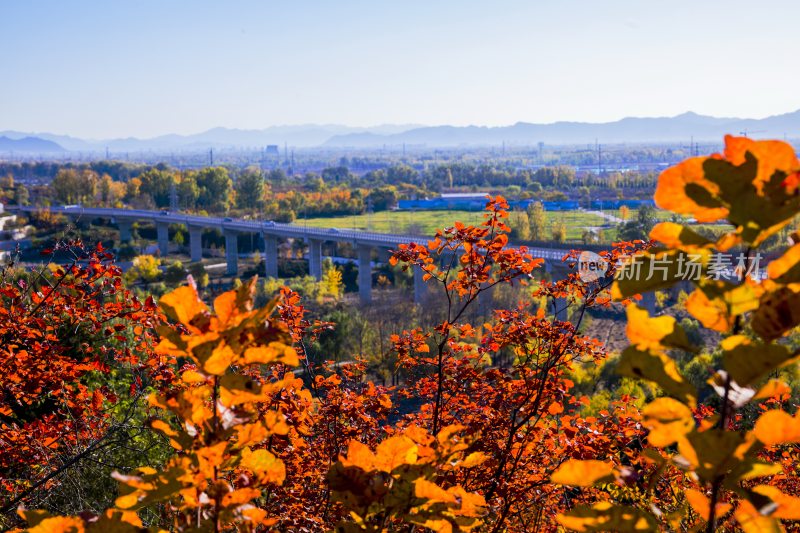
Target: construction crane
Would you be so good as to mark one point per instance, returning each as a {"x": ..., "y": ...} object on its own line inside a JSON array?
[{"x": 746, "y": 131}]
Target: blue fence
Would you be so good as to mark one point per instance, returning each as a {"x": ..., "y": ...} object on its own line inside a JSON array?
[{"x": 473, "y": 204}]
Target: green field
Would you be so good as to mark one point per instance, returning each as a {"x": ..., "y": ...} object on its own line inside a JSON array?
[{"x": 427, "y": 222}]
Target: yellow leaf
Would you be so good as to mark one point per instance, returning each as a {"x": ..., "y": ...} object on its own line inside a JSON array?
[
  {"x": 211, "y": 457},
  {"x": 771, "y": 156},
  {"x": 275, "y": 352},
  {"x": 579, "y": 473},
  {"x": 192, "y": 376},
  {"x": 713, "y": 314},
  {"x": 604, "y": 516},
  {"x": 117, "y": 521},
  {"x": 220, "y": 360},
  {"x": 718, "y": 305},
  {"x": 358, "y": 455},
  {"x": 668, "y": 421},
  {"x": 473, "y": 459},
  {"x": 701, "y": 504},
  {"x": 772, "y": 389},
  {"x": 471, "y": 504},
  {"x": 751, "y": 521},
  {"x": 59, "y": 524},
  {"x": 777, "y": 427},
  {"x": 163, "y": 427},
  {"x": 250, "y": 434},
  {"x": 657, "y": 333},
  {"x": 675, "y": 185},
  {"x": 183, "y": 304},
  {"x": 240, "y": 496},
  {"x": 236, "y": 389},
  {"x": 267, "y": 467},
  {"x": 788, "y": 506},
  {"x": 658, "y": 368},
  {"x": 231, "y": 306},
  {"x": 395, "y": 451},
  {"x": 673, "y": 235},
  {"x": 786, "y": 268},
  {"x": 127, "y": 501},
  {"x": 431, "y": 491},
  {"x": 225, "y": 307}
]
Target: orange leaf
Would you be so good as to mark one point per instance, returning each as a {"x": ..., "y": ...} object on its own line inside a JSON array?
[
  {"x": 183, "y": 304},
  {"x": 777, "y": 427},
  {"x": 395, "y": 451},
  {"x": 582, "y": 473}
]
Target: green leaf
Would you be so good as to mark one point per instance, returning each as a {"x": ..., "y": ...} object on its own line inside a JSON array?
[
  {"x": 655, "y": 270},
  {"x": 747, "y": 362},
  {"x": 659, "y": 369},
  {"x": 714, "y": 452},
  {"x": 777, "y": 313}
]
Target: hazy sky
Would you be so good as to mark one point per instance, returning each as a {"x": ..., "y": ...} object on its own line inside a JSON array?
[{"x": 142, "y": 68}]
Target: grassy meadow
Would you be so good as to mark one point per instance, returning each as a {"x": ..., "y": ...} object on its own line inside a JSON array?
[{"x": 427, "y": 222}]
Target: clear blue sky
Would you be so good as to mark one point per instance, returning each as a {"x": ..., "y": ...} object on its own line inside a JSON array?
[{"x": 142, "y": 68}]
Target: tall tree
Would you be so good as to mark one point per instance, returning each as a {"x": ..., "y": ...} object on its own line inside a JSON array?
[
  {"x": 214, "y": 189},
  {"x": 538, "y": 221},
  {"x": 250, "y": 189},
  {"x": 157, "y": 184},
  {"x": 520, "y": 224}
]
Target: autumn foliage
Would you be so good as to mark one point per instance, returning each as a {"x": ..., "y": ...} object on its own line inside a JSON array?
[{"x": 485, "y": 433}]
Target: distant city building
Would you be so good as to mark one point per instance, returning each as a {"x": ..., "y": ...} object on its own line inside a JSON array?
[
  {"x": 272, "y": 150},
  {"x": 464, "y": 195}
]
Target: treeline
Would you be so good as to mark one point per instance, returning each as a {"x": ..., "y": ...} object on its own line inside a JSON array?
[{"x": 273, "y": 194}]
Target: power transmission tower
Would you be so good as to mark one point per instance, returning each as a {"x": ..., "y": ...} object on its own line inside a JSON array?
[
  {"x": 173, "y": 197},
  {"x": 599, "y": 158}
]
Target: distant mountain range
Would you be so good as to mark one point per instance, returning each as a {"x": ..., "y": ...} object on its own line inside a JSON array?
[
  {"x": 28, "y": 144},
  {"x": 633, "y": 130},
  {"x": 307, "y": 135},
  {"x": 663, "y": 129}
]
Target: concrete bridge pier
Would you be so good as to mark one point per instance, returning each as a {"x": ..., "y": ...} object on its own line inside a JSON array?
[
  {"x": 162, "y": 232},
  {"x": 232, "y": 252},
  {"x": 420, "y": 286},
  {"x": 315, "y": 258},
  {"x": 484, "y": 301},
  {"x": 365, "y": 273},
  {"x": 196, "y": 243},
  {"x": 271, "y": 255},
  {"x": 561, "y": 309},
  {"x": 125, "y": 230}
]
